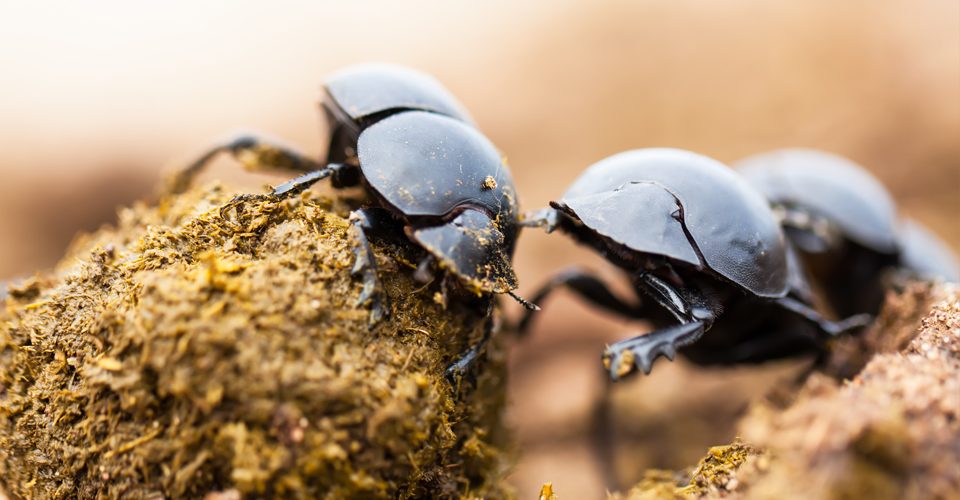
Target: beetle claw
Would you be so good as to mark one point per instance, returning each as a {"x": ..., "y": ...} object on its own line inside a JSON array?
[
  {"x": 669, "y": 352},
  {"x": 625, "y": 357}
]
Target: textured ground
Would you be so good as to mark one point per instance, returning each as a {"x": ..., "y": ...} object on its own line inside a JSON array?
[
  {"x": 184, "y": 354},
  {"x": 892, "y": 431}
]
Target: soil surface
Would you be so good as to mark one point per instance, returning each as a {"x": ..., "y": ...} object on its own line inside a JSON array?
[{"x": 892, "y": 431}]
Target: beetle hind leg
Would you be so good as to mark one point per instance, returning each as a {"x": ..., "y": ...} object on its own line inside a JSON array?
[{"x": 255, "y": 153}]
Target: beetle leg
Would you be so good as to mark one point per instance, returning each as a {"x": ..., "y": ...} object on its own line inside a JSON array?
[
  {"x": 624, "y": 357},
  {"x": 529, "y": 306},
  {"x": 280, "y": 192},
  {"x": 603, "y": 436},
  {"x": 827, "y": 327},
  {"x": 547, "y": 218},
  {"x": 694, "y": 311},
  {"x": 289, "y": 188},
  {"x": 465, "y": 361},
  {"x": 253, "y": 152},
  {"x": 586, "y": 285},
  {"x": 424, "y": 272},
  {"x": 365, "y": 265}
]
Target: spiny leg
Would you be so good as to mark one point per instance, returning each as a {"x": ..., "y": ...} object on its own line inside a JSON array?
[
  {"x": 291, "y": 187},
  {"x": 621, "y": 359},
  {"x": 365, "y": 265},
  {"x": 696, "y": 315},
  {"x": 586, "y": 285},
  {"x": 253, "y": 152},
  {"x": 624, "y": 357},
  {"x": 694, "y": 311}
]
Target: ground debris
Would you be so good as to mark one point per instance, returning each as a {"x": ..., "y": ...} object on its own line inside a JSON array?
[
  {"x": 186, "y": 354},
  {"x": 892, "y": 431},
  {"x": 715, "y": 473}
]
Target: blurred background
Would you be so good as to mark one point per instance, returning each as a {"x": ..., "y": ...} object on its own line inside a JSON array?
[{"x": 98, "y": 98}]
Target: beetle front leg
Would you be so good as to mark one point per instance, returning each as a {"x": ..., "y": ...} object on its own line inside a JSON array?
[
  {"x": 695, "y": 312},
  {"x": 255, "y": 153},
  {"x": 289, "y": 188},
  {"x": 365, "y": 265},
  {"x": 547, "y": 218},
  {"x": 624, "y": 357}
]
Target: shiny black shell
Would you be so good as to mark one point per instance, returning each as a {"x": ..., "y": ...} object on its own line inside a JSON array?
[
  {"x": 831, "y": 187},
  {"x": 431, "y": 170},
  {"x": 677, "y": 204},
  {"x": 424, "y": 164},
  {"x": 370, "y": 89}
]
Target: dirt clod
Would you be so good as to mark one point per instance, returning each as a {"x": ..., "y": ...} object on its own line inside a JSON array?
[{"x": 892, "y": 431}]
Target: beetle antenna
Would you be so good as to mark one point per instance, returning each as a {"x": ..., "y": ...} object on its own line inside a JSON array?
[{"x": 523, "y": 302}]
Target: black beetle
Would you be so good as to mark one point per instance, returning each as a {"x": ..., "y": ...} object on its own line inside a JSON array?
[
  {"x": 845, "y": 224},
  {"x": 352, "y": 100},
  {"x": 427, "y": 171},
  {"x": 704, "y": 246},
  {"x": 924, "y": 255}
]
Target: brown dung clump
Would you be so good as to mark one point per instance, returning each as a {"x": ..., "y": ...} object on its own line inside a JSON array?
[{"x": 182, "y": 354}]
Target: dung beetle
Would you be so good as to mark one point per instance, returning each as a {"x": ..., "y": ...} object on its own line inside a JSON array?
[
  {"x": 704, "y": 253},
  {"x": 427, "y": 171},
  {"x": 844, "y": 223},
  {"x": 924, "y": 255}
]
